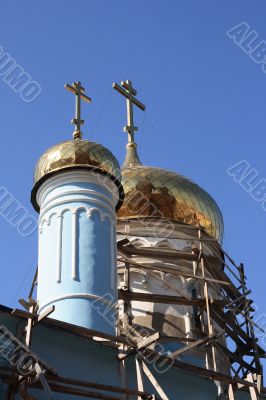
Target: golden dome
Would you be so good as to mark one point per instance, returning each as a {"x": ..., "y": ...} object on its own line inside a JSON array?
[
  {"x": 77, "y": 153},
  {"x": 155, "y": 192}
]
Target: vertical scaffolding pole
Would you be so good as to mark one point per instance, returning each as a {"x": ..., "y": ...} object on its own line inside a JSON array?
[
  {"x": 249, "y": 324},
  {"x": 206, "y": 295}
]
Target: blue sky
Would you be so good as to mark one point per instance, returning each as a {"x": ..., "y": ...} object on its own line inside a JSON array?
[{"x": 205, "y": 98}]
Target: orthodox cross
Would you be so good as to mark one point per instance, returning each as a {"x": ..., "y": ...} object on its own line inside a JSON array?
[
  {"x": 78, "y": 90},
  {"x": 129, "y": 93}
]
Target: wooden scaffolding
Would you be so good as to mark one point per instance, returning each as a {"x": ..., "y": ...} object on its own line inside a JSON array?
[{"x": 233, "y": 313}]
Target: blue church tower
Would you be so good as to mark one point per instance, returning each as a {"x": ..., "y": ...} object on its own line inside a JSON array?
[{"x": 77, "y": 192}]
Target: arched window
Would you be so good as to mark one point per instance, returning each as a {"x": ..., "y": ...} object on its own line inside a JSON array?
[
  {"x": 192, "y": 288},
  {"x": 196, "y": 310}
]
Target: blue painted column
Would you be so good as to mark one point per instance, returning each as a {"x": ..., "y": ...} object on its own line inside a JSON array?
[{"x": 77, "y": 249}]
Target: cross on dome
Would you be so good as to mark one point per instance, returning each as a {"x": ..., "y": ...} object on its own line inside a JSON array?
[
  {"x": 129, "y": 93},
  {"x": 78, "y": 90}
]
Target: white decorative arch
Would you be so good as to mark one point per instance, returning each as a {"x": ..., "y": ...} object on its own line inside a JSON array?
[
  {"x": 89, "y": 211},
  {"x": 78, "y": 199},
  {"x": 140, "y": 242},
  {"x": 165, "y": 243}
]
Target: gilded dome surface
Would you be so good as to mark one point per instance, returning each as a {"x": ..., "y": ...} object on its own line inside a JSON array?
[
  {"x": 156, "y": 192},
  {"x": 75, "y": 153}
]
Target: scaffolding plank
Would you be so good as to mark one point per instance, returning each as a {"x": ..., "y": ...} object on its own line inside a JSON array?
[
  {"x": 158, "y": 252},
  {"x": 140, "y": 345},
  {"x": 252, "y": 390},
  {"x": 191, "y": 346},
  {"x": 231, "y": 395},
  {"x": 40, "y": 375},
  {"x": 213, "y": 375},
  {"x": 139, "y": 373},
  {"x": 164, "y": 299},
  {"x": 45, "y": 314},
  {"x": 148, "y": 341},
  {"x": 154, "y": 382},
  {"x": 94, "y": 385}
]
